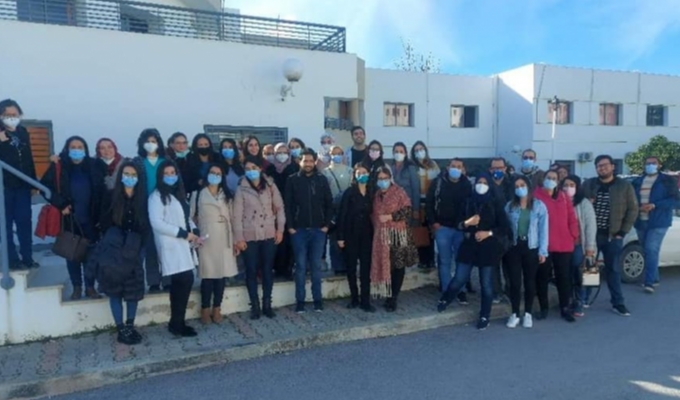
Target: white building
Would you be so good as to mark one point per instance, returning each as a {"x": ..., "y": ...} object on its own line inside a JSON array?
[{"x": 203, "y": 70}]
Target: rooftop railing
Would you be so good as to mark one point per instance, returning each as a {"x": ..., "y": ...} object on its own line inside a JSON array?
[{"x": 147, "y": 18}]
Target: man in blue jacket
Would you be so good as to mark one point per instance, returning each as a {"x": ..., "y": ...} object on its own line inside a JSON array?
[{"x": 657, "y": 195}]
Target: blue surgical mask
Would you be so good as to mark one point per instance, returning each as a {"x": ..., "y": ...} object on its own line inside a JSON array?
[
  {"x": 455, "y": 173},
  {"x": 228, "y": 154},
  {"x": 181, "y": 154},
  {"x": 214, "y": 179},
  {"x": 295, "y": 152},
  {"x": 498, "y": 175},
  {"x": 522, "y": 192},
  {"x": 549, "y": 184},
  {"x": 170, "y": 180},
  {"x": 337, "y": 159},
  {"x": 129, "y": 181},
  {"x": 384, "y": 184},
  {"x": 651, "y": 169},
  {"x": 253, "y": 174},
  {"x": 362, "y": 179},
  {"x": 76, "y": 154},
  {"x": 527, "y": 164}
]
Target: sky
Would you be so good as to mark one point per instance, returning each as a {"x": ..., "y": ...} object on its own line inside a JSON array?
[{"x": 483, "y": 37}]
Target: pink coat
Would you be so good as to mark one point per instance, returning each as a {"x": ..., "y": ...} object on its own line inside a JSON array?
[
  {"x": 257, "y": 215},
  {"x": 563, "y": 229}
]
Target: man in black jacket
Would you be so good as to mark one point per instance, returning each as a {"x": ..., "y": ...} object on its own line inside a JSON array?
[
  {"x": 445, "y": 203},
  {"x": 504, "y": 190},
  {"x": 309, "y": 210},
  {"x": 15, "y": 150}
]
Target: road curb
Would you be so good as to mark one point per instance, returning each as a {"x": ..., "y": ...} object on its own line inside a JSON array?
[{"x": 153, "y": 367}]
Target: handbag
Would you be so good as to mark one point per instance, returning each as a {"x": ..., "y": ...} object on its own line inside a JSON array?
[
  {"x": 590, "y": 273},
  {"x": 421, "y": 236},
  {"x": 71, "y": 246},
  {"x": 49, "y": 219}
]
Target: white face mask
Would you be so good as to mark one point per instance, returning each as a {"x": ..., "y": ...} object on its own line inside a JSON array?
[
  {"x": 481, "y": 188},
  {"x": 399, "y": 157},
  {"x": 326, "y": 147},
  {"x": 420, "y": 154},
  {"x": 107, "y": 161},
  {"x": 11, "y": 122},
  {"x": 282, "y": 157},
  {"x": 150, "y": 147}
]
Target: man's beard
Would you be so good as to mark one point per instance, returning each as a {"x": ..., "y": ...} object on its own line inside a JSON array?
[{"x": 605, "y": 176}]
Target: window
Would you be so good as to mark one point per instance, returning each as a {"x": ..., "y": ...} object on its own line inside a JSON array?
[
  {"x": 397, "y": 114},
  {"x": 343, "y": 109},
  {"x": 47, "y": 11},
  {"x": 563, "y": 112},
  {"x": 266, "y": 135},
  {"x": 464, "y": 116},
  {"x": 656, "y": 115},
  {"x": 610, "y": 114},
  {"x": 129, "y": 23}
]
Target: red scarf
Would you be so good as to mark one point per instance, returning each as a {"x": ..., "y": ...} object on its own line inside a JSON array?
[{"x": 111, "y": 168}]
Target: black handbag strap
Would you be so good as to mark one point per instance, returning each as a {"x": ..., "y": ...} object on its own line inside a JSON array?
[{"x": 73, "y": 222}]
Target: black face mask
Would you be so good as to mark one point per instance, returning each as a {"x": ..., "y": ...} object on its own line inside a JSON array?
[{"x": 204, "y": 151}]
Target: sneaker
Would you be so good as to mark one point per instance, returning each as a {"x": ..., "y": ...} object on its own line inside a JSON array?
[
  {"x": 441, "y": 306},
  {"x": 621, "y": 310},
  {"x": 513, "y": 321},
  {"x": 125, "y": 336},
  {"x": 462, "y": 299},
  {"x": 649, "y": 289},
  {"x": 568, "y": 316},
  {"x": 528, "y": 321},
  {"x": 578, "y": 309},
  {"x": 586, "y": 304},
  {"x": 656, "y": 284},
  {"x": 318, "y": 306},
  {"x": 498, "y": 299},
  {"x": 482, "y": 324},
  {"x": 137, "y": 337},
  {"x": 300, "y": 308}
]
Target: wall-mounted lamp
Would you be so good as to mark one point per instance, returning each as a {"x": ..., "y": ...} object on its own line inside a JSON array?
[{"x": 292, "y": 71}]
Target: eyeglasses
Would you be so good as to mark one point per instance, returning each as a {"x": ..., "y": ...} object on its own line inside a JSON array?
[{"x": 599, "y": 166}]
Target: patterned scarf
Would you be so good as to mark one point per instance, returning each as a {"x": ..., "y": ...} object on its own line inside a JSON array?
[{"x": 388, "y": 235}]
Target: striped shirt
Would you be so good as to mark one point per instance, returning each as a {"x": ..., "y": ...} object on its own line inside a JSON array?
[
  {"x": 602, "y": 208},
  {"x": 645, "y": 190}
]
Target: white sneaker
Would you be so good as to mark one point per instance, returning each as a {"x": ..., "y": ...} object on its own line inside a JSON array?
[
  {"x": 513, "y": 321},
  {"x": 528, "y": 321}
]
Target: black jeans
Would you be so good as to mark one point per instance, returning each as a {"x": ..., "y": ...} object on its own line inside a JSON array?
[
  {"x": 521, "y": 263},
  {"x": 180, "y": 290},
  {"x": 359, "y": 251},
  {"x": 18, "y": 211},
  {"x": 397, "y": 281},
  {"x": 259, "y": 256},
  {"x": 560, "y": 263},
  {"x": 212, "y": 289}
]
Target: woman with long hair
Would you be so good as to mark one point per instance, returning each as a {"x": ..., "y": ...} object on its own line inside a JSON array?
[
  {"x": 175, "y": 234},
  {"x": 529, "y": 222},
  {"x": 107, "y": 153},
  {"x": 393, "y": 247},
  {"x": 485, "y": 225},
  {"x": 354, "y": 233},
  {"x": 428, "y": 171},
  {"x": 406, "y": 175},
  {"x": 586, "y": 246},
  {"x": 231, "y": 163},
  {"x": 124, "y": 222},
  {"x": 198, "y": 162},
  {"x": 563, "y": 234},
  {"x": 177, "y": 151},
  {"x": 212, "y": 209},
  {"x": 296, "y": 147},
  {"x": 77, "y": 191},
  {"x": 373, "y": 161}
]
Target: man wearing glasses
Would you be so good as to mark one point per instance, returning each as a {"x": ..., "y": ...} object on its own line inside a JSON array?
[
  {"x": 531, "y": 170},
  {"x": 616, "y": 210}
]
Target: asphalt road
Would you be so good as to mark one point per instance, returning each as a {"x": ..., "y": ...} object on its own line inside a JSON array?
[{"x": 602, "y": 356}]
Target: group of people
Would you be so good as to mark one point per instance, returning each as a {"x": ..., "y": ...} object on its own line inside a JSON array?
[{"x": 175, "y": 207}]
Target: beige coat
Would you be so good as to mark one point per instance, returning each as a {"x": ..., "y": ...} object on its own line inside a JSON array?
[{"x": 216, "y": 258}]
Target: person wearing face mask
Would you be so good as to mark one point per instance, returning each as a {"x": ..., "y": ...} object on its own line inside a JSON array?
[
  {"x": 15, "y": 150},
  {"x": 323, "y": 159},
  {"x": 393, "y": 247},
  {"x": 296, "y": 147},
  {"x": 211, "y": 209},
  {"x": 268, "y": 153},
  {"x": 484, "y": 223},
  {"x": 198, "y": 161},
  {"x": 77, "y": 191},
  {"x": 658, "y": 198},
  {"x": 445, "y": 204},
  {"x": 117, "y": 257},
  {"x": 339, "y": 178},
  {"x": 231, "y": 163},
  {"x": 259, "y": 225},
  {"x": 530, "y": 169},
  {"x": 503, "y": 185},
  {"x": 529, "y": 222},
  {"x": 373, "y": 161},
  {"x": 406, "y": 176},
  {"x": 355, "y": 235},
  {"x": 586, "y": 246},
  {"x": 428, "y": 171},
  {"x": 178, "y": 151},
  {"x": 107, "y": 154},
  {"x": 150, "y": 154},
  {"x": 563, "y": 234}
]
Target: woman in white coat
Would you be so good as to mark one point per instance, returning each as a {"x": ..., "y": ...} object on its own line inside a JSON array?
[
  {"x": 212, "y": 210},
  {"x": 174, "y": 234}
]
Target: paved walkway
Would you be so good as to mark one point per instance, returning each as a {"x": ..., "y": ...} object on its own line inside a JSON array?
[{"x": 93, "y": 360}]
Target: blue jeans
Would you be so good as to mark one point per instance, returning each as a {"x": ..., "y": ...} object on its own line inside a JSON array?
[
  {"x": 580, "y": 294},
  {"x": 651, "y": 240},
  {"x": 448, "y": 242},
  {"x": 18, "y": 212},
  {"x": 611, "y": 252},
  {"x": 116, "y": 304},
  {"x": 462, "y": 277},
  {"x": 259, "y": 255},
  {"x": 337, "y": 259},
  {"x": 308, "y": 246}
]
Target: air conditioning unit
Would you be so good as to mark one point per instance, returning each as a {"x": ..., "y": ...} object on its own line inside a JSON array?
[{"x": 585, "y": 157}]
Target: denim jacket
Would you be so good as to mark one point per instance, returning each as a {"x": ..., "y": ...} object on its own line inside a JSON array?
[{"x": 538, "y": 226}]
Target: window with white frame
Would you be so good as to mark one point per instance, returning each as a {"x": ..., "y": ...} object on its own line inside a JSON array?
[
  {"x": 563, "y": 112},
  {"x": 656, "y": 115},
  {"x": 464, "y": 116},
  {"x": 397, "y": 114},
  {"x": 610, "y": 114}
]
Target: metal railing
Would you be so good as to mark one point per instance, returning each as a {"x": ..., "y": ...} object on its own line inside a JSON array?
[
  {"x": 139, "y": 17},
  {"x": 342, "y": 124},
  {"x": 7, "y": 282}
]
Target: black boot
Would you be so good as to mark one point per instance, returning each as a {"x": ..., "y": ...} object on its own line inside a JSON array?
[
  {"x": 267, "y": 309},
  {"x": 135, "y": 334},
  {"x": 255, "y": 310},
  {"x": 125, "y": 335},
  {"x": 354, "y": 303}
]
